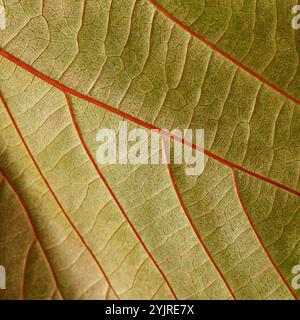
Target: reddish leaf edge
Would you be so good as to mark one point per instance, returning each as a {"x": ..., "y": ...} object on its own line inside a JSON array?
[
  {"x": 221, "y": 52},
  {"x": 82, "y": 96},
  {"x": 114, "y": 196},
  {"x": 45, "y": 256},
  {"x": 192, "y": 224},
  {"x": 258, "y": 237},
  {"x": 55, "y": 198}
]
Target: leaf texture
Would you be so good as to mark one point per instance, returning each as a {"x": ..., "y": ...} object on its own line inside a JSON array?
[{"x": 73, "y": 229}]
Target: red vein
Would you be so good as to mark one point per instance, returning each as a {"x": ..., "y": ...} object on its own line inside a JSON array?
[
  {"x": 33, "y": 230},
  {"x": 222, "y": 53},
  {"x": 115, "y": 198},
  {"x": 192, "y": 224},
  {"x": 73, "y": 92},
  {"x": 258, "y": 237},
  {"x": 55, "y": 197},
  {"x": 25, "y": 267}
]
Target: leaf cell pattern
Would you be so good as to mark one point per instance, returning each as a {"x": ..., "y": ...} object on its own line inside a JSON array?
[{"x": 73, "y": 229}]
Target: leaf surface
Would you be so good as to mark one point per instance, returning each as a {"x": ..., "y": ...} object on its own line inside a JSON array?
[{"x": 73, "y": 229}]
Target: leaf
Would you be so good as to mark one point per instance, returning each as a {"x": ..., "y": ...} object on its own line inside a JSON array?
[{"x": 73, "y": 229}]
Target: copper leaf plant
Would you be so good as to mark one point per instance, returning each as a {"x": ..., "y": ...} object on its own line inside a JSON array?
[{"x": 71, "y": 228}]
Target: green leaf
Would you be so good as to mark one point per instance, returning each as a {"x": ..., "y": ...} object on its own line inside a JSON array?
[{"x": 73, "y": 229}]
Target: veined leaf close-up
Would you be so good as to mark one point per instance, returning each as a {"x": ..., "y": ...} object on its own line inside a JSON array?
[{"x": 74, "y": 228}]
